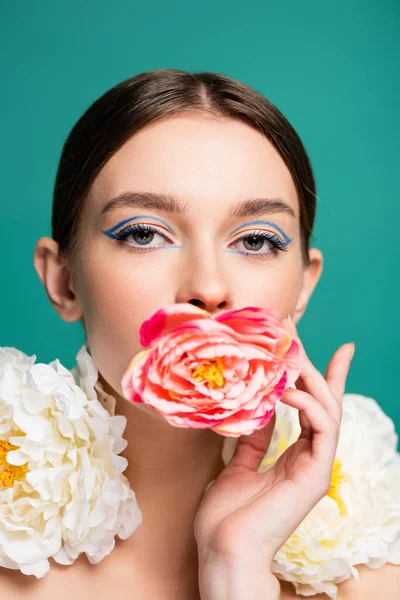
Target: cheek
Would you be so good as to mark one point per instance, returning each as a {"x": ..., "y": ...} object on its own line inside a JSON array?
[
  {"x": 116, "y": 298},
  {"x": 271, "y": 286},
  {"x": 118, "y": 291}
]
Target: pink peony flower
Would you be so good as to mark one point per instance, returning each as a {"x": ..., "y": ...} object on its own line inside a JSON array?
[{"x": 224, "y": 372}]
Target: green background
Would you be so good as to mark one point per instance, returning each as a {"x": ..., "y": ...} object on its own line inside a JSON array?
[{"x": 331, "y": 68}]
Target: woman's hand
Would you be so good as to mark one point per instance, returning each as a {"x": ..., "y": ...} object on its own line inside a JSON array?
[{"x": 245, "y": 516}]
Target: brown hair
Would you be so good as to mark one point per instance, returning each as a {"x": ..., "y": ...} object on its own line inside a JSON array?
[{"x": 141, "y": 100}]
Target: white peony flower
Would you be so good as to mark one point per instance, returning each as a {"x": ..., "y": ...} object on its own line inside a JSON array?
[
  {"x": 62, "y": 491},
  {"x": 358, "y": 521}
]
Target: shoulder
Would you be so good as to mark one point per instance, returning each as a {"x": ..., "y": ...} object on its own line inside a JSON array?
[
  {"x": 15, "y": 585},
  {"x": 374, "y": 583}
]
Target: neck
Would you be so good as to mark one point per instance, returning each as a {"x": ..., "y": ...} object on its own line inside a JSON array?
[{"x": 168, "y": 469}]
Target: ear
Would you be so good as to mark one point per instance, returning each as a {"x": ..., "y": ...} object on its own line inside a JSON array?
[
  {"x": 56, "y": 278},
  {"x": 311, "y": 276}
]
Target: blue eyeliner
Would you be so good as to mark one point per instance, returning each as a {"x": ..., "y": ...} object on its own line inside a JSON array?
[
  {"x": 110, "y": 232},
  {"x": 122, "y": 232},
  {"x": 287, "y": 239}
]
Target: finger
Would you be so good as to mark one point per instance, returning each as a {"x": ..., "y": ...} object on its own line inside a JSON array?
[
  {"x": 312, "y": 381},
  {"x": 329, "y": 389},
  {"x": 251, "y": 449},
  {"x": 324, "y": 432},
  {"x": 306, "y": 429},
  {"x": 288, "y": 323},
  {"x": 338, "y": 370}
]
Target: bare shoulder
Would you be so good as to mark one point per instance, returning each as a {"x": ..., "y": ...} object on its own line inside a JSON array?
[
  {"x": 116, "y": 576},
  {"x": 374, "y": 583},
  {"x": 61, "y": 581},
  {"x": 14, "y": 585}
]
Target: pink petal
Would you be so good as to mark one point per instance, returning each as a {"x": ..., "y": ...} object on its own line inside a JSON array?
[{"x": 166, "y": 319}]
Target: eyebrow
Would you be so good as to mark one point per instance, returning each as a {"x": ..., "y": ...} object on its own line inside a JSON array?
[{"x": 250, "y": 207}]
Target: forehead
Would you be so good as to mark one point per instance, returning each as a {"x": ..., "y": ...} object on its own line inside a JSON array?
[{"x": 205, "y": 160}]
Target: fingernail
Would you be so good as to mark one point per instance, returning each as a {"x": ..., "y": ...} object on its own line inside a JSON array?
[{"x": 352, "y": 347}]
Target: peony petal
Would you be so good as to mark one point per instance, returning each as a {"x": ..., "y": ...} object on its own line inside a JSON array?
[
  {"x": 166, "y": 319},
  {"x": 243, "y": 360},
  {"x": 38, "y": 569}
]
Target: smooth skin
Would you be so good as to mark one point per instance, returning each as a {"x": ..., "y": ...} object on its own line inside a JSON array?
[{"x": 211, "y": 164}]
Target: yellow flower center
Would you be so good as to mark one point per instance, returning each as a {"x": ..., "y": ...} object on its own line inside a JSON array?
[
  {"x": 338, "y": 477},
  {"x": 10, "y": 473},
  {"x": 211, "y": 372}
]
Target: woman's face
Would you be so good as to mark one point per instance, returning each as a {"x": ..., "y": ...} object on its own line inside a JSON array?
[{"x": 204, "y": 254}]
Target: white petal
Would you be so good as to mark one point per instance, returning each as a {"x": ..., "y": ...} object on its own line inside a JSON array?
[
  {"x": 39, "y": 568},
  {"x": 16, "y": 457}
]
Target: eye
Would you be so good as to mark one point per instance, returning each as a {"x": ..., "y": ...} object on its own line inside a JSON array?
[
  {"x": 256, "y": 240},
  {"x": 142, "y": 234}
]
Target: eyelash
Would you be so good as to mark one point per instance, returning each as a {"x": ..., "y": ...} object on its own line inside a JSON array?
[{"x": 277, "y": 244}]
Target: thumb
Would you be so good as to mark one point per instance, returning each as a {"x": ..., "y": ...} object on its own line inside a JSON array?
[{"x": 251, "y": 449}]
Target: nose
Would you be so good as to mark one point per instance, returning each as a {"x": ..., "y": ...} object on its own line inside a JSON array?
[
  {"x": 203, "y": 285},
  {"x": 208, "y": 305}
]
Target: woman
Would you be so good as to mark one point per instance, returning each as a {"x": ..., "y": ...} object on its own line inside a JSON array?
[{"x": 178, "y": 187}]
